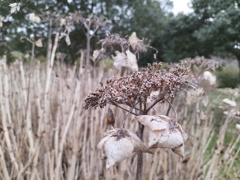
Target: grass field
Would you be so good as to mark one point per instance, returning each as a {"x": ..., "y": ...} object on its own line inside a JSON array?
[{"x": 47, "y": 134}]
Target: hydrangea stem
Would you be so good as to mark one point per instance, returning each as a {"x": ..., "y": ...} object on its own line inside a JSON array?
[{"x": 140, "y": 155}]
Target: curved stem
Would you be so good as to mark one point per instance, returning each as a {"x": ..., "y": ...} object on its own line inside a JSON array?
[
  {"x": 115, "y": 104},
  {"x": 154, "y": 103}
]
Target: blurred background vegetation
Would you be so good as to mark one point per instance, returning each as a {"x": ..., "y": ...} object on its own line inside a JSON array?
[
  {"x": 211, "y": 29},
  {"x": 38, "y": 101}
]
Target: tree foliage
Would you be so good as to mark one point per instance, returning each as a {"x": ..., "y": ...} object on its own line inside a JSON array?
[
  {"x": 179, "y": 38},
  {"x": 220, "y": 25},
  {"x": 143, "y": 17}
]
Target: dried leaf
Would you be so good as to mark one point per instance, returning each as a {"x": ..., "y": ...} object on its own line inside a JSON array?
[
  {"x": 155, "y": 123},
  {"x": 211, "y": 78},
  {"x": 95, "y": 54},
  {"x": 229, "y": 102},
  {"x": 62, "y": 22},
  {"x": 133, "y": 40},
  {"x": 128, "y": 60},
  {"x": 120, "y": 59},
  {"x": 170, "y": 139},
  {"x": 179, "y": 150},
  {"x": 34, "y": 18},
  {"x": 131, "y": 61},
  {"x": 14, "y": 7},
  {"x": 38, "y": 43}
]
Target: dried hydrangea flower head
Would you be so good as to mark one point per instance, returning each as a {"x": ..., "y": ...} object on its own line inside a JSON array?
[
  {"x": 134, "y": 89},
  {"x": 199, "y": 66},
  {"x": 116, "y": 40}
]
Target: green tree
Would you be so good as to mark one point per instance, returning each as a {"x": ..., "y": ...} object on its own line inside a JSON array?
[
  {"x": 220, "y": 26},
  {"x": 179, "y": 40},
  {"x": 145, "y": 17}
]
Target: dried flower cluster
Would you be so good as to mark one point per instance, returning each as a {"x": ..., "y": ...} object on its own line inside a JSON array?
[
  {"x": 133, "y": 41},
  {"x": 137, "y": 44},
  {"x": 204, "y": 64},
  {"x": 137, "y": 87},
  {"x": 91, "y": 20},
  {"x": 72, "y": 18},
  {"x": 113, "y": 40}
]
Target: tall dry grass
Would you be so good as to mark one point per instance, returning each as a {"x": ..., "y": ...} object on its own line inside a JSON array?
[{"x": 46, "y": 133}]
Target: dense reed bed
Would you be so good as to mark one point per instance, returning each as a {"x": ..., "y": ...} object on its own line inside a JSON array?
[{"x": 46, "y": 133}]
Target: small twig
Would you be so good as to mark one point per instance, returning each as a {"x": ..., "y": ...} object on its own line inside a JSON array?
[
  {"x": 171, "y": 106},
  {"x": 115, "y": 104},
  {"x": 19, "y": 175},
  {"x": 154, "y": 103}
]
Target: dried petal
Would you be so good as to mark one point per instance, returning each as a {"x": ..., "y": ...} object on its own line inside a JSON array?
[
  {"x": 14, "y": 7},
  {"x": 229, "y": 102},
  {"x": 170, "y": 139},
  {"x": 38, "y": 43},
  {"x": 158, "y": 122},
  {"x": 133, "y": 40},
  {"x": 34, "y": 18},
  {"x": 131, "y": 61},
  {"x": 120, "y": 59},
  {"x": 211, "y": 78},
  {"x": 179, "y": 150}
]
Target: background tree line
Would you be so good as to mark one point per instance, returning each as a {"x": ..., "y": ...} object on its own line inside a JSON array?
[{"x": 211, "y": 29}]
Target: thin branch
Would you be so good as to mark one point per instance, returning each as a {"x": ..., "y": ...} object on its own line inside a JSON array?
[
  {"x": 115, "y": 104},
  {"x": 171, "y": 106},
  {"x": 154, "y": 103}
]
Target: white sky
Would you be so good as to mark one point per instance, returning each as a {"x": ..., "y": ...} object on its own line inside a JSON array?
[{"x": 181, "y": 6}]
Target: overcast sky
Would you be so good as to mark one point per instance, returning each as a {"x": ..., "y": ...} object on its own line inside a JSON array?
[{"x": 181, "y": 6}]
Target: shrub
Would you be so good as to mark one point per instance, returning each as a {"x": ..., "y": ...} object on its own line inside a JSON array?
[{"x": 228, "y": 77}]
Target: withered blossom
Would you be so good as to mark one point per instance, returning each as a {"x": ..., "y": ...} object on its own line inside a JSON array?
[
  {"x": 136, "y": 88},
  {"x": 199, "y": 65},
  {"x": 115, "y": 39},
  {"x": 200, "y": 61},
  {"x": 120, "y": 144},
  {"x": 133, "y": 41},
  {"x": 164, "y": 133},
  {"x": 137, "y": 44}
]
